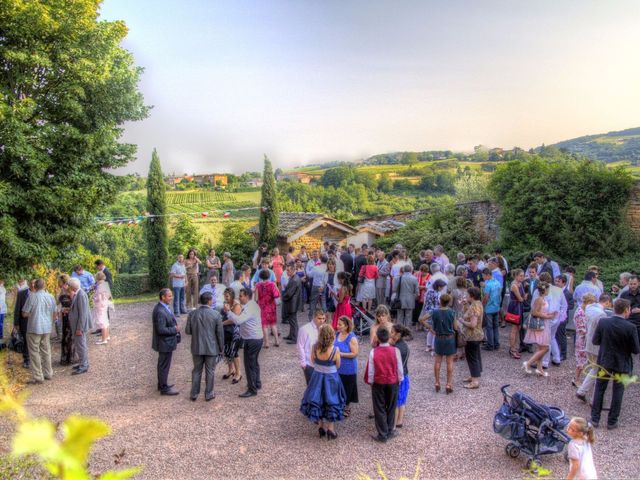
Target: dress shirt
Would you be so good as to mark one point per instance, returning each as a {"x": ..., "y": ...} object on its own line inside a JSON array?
[
  {"x": 318, "y": 276},
  {"x": 584, "y": 288},
  {"x": 248, "y": 321},
  {"x": 442, "y": 260},
  {"x": 497, "y": 275},
  {"x": 307, "y": 338},
  {"x": 178, "y": 269},
  {"x": 218, "y": 295},
  {"x": 40, "y": 306},
  {"x": 311, "y": 264},
  {"x": 86, "y": 280}
]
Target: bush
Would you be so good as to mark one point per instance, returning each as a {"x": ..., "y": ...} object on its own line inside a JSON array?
[
  {"x": 562, "y": 205},
  {"x": 130, "y": 285}
]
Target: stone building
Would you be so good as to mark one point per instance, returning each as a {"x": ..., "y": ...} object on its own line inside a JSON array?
[
  {"x": 308, "y": 229},
  {"x": 370, "y": 232}
]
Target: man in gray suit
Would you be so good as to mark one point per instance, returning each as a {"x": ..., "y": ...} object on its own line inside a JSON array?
[
  {"x": 80, "y": 323},
  {"x": 291, "y": 297},
  {"x": 406, "y": 288},
  {"x": 207, "y": 344}
]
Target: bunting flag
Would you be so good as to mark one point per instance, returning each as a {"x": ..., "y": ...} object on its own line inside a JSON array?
[
  {"x": 204, "y": 214},
  {"x": 226, "y": 214}
]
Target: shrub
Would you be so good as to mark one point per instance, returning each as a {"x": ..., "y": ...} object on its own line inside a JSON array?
[
  {"x": 130, "y": 285},
  {"x": 562, "y": 205}
]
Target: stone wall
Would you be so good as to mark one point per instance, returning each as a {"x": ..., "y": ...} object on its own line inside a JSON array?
[
  {"x": 484, "y": 215},
  {"x": 633, "y": 213},
  {"x": 314, "y": 239}
]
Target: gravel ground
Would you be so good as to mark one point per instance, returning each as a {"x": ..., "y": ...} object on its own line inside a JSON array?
[{"x": 266, "y": 437}]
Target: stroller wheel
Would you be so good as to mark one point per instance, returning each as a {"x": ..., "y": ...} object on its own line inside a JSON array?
[{"x": 512, "y": 450}]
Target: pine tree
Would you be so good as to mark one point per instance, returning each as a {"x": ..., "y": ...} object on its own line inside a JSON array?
[
  {"x": 269, "y": 207},
  {"x": 156, "y": 227}
]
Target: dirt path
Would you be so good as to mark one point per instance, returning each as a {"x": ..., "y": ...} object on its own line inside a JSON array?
[{"x": 266, "y": 437}]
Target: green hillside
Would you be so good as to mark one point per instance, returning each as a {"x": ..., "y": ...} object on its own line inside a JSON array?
[{"x": 609, "y": 147}]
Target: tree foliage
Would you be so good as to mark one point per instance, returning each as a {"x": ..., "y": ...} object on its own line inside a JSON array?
[
  {"x": 65, "y": 90},
  {"x": 238, "y": 242},
  {"x": 269, "y": 215},
  {"x": 563, "y": 206},
  {"x": 185, "y": 236},
  {"x": 445, "y": 225},
  {"x": 438, "y": 182},
  {"x": 156, "y": 227}
]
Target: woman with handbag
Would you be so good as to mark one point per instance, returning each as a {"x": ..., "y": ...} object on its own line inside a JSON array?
[
  {"x": 473, "y": 333},
  {"x": 538, "y": 330},
  {"x": 515, "y": 310}
]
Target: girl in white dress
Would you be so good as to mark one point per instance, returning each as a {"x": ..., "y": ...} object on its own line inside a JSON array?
[{"x": 581, "y": 466}]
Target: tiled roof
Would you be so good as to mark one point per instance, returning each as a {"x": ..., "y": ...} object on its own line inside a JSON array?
[
  {"x": 291, "y": 222},
  {"x": 383, "y": 227}
]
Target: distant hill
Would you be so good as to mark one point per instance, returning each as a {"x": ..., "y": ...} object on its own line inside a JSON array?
[{"x": 607, "y": 147}]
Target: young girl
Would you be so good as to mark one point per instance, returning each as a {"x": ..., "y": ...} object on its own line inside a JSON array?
[
  {"x": 581, "y": 465},
  {"x": 398, "y": 334},
  {"x": 343, "y": 308}
]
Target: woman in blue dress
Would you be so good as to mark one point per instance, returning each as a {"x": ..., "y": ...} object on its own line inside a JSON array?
[
  {"x": 347, "y": 343},
  {"x": 324, "y": 399}
]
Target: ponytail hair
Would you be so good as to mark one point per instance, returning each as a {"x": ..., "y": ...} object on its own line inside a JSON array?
[
  {"x": 401, "y": 330},
  {"x": 586, "y": 428}
]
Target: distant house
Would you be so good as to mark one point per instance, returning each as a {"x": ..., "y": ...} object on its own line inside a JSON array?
[
  {"x": 308, "y": 229},
  {"x": 295, "y": 177},
  {"x": 255, "y": 182},
  {"x": 369, "y": 232},
  {"x": 209, "y": 179}
]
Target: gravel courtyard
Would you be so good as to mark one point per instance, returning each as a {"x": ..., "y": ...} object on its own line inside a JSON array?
[{"x": 266, "y": 437}]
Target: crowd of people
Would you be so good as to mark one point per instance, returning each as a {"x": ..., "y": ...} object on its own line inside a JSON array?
[
  {"x": 461, "y": 305},
  {"x": 37, "y": 314}
]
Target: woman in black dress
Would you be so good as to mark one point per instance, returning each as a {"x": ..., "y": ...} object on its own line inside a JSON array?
[
  {"x": 67, "y": 352},
  {"x": 232, "y": 338},
  {"x": 441, "y": 325}
]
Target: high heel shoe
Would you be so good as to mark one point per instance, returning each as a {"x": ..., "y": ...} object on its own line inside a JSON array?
[
  {"x": 437, "y": 387},
  {"x": 322, "y": 432},
  {"x": 448, "y": 389},
  {"x": 526, "y": 368},
  {"x": 331, "y": 435},
  {"x": 514, "y": 354}
]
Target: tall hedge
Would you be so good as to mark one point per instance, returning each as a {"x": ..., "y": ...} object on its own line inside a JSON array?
[
  {"x": 566, "y": 207},
  {"x": 156, "y": 227},
  {"x": 269, "y": 214}
]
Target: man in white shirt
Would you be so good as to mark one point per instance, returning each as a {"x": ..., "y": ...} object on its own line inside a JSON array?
[
  {"x": 250, "y": 325},
  {"x": 307, "y": 337},
  {"x": 435, "y": 275},
  {"x": 558, "y": 304},
  {"x": 217, "y": 291},
  {"x": 178, "y": 277}
]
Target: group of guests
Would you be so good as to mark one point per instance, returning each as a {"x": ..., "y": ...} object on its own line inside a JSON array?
[{"x": 37, "y": 313}]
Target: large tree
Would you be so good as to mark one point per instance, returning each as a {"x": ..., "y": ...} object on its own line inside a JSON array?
[
  {"x": 156, "y": 225},
  {"x": 66, "y": 88},
  {"x": 269, "y": 214}
]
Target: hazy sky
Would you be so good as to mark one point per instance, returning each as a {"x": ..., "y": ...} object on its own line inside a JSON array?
[{"x": 306, "y": 81}]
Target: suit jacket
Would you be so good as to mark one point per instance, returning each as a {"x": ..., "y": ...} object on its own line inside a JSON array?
[
  {"x": 359, "y": 262},
  {"x": 409, "y": 290},
  {"x": 80, "y": 313},
  {"x": 21, "y": 299},
  {"x": 292, "y": 294},
  {"x": 205, "y": 327},
  {"x": 347, "y": 261},
  {"x": 618, "y": 340},
  {"x": 109, "y": 277},
  {"x": 164, "y": 330}
]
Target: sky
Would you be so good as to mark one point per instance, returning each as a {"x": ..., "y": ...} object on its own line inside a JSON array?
[{"x": 306, "y": 81}]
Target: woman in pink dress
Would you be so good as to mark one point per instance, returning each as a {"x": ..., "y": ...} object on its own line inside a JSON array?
[
  {"x": 277, "y": 265},
  {"x": 538, "y": 331},
  {"x": 102, "y": 301},
  {"x": 266, "y": 294},
  {"x": 580, "y": 321},
  {"x": 343, "y": 298}
]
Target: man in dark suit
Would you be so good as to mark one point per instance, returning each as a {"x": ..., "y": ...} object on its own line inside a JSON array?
[
  {"x": 101, "y": 267},
  {"x": 347, "y": 261},
  {"x": 165, "y": 339},
  {"x": 291, "y": 302},
  {"x": 20, "y": 322},
  {"x": 80, "y": 323},
  {"x": 618, "y": 340},
  {"x": 207, "y": 344},
  {"x": 359, "y": 262}
]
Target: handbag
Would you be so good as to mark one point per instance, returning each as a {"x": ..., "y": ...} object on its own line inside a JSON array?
[
  {"x": 396, "y": 304},
  {"x": 16, "y": 342},
  {"x": 535, "y": 323},
  {"x": 512, "y": 318}
]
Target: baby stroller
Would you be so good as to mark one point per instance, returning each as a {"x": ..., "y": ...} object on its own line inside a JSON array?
[
  {"x": 362, "y": 320},
  {"x": 531, "y": 428}
]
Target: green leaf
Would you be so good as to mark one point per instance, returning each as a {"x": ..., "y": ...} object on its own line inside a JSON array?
[
  {"x": 36, "y": 437},
  {"x": 121, "y": 474},
  {"x": 79, "y": 435}
]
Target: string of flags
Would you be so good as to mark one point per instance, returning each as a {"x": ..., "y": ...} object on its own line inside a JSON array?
[{"x": 135, "y": 221}]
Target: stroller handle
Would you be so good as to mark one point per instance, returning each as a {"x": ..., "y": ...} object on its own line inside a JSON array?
[{"x": 503, "y": 389}]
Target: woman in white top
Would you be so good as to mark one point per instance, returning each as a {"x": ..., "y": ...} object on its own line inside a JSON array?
[
  {"x": 102, "y": 302},
  {"x": 581, "y": 466}
]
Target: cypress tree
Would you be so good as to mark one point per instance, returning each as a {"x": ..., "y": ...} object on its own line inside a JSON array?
[
  {"x": 156, "y": 227},
  {"x": 269, "y": 206}
]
